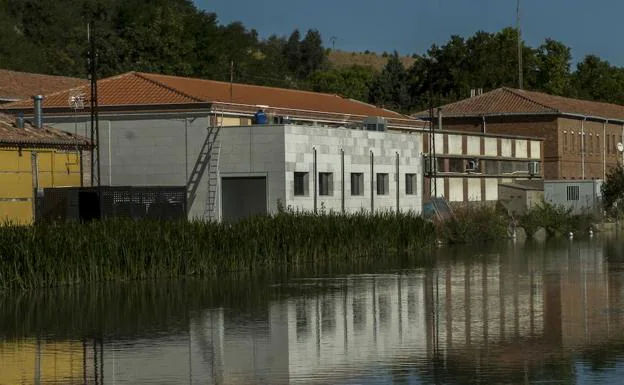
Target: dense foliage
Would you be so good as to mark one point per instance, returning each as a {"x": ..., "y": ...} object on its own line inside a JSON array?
[
  {"x": 53, "y": 254},
  {"x": 613, "y": 192},
  {"x": 175, "y": 37}
]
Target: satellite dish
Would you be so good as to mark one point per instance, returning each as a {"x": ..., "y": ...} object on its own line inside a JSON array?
[{"x": 620, "y": 147}]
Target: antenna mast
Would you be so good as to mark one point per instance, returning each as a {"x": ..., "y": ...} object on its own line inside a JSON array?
[
  {"x": 95, "y": 124},
  {"x": 520, "y": 71}
]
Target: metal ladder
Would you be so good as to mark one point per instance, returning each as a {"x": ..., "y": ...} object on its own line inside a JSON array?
[
  {"x": 202, "y": 163},
  {"x": 210, "y": 211}
]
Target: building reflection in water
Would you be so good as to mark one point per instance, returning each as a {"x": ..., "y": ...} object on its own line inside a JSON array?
[{"x": 506, "y": 314}]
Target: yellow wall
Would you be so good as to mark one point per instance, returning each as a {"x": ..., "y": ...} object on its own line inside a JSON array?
[
  {"x": 58, "y": 362},
  {"x": 56, "y": 169}
]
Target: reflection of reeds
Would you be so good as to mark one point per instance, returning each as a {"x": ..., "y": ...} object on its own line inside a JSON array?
[
  {"x": 47, "y": 255},
  {"x": 151, "y": 307}
]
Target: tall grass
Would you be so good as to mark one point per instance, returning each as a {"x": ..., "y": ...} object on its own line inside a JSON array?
[
  {"x": 474, "y": 223},
  {"x": 45, "y": 255}
]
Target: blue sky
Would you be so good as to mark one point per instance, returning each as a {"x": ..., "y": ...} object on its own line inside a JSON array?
[{"x": 411, "y": 26}]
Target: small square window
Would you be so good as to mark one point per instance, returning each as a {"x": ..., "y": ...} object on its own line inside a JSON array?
[
  {"x": 357, "y": 183},
  {"x": 326, "y": 183},
  {"x": 573, "y": 193},
  {"x": 383, "y": 184},
  {"x": 411, "y": 184},
  {"x": 302, "y": 180}
]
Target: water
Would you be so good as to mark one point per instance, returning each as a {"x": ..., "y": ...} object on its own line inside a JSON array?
[{"x": 514, "y": 314}]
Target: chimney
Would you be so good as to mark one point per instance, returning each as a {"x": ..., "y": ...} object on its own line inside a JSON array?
[
  {"x": 480, "y": 91},
  {"x": 19, "y": 122},
  {"x": 473, "y": 92},
  {"x": 38, "y": 110}
]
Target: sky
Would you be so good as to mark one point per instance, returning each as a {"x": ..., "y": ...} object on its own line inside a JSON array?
[{"x": 412, "y": 26}]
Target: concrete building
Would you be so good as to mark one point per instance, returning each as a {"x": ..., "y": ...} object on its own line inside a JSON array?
[
  {"x": 158, "y": 130},
  {"x": 15, "y": 85},
  {"x": 580, "y": 196},
  {"x": 518, "y": 197},
  {"x": 470, "y": 166},
  {"x": 34, "y": 157},
  {"x": 580, "y": 137}
]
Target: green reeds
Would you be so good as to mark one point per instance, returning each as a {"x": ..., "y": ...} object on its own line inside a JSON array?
[{"x": 45, "y": 255}]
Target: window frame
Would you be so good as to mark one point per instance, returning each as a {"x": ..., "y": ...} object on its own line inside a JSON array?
[
  {"x": 382, "y": 181},
  {"x": 326, "y": 183},
  {"x": 357, "y": 179}
]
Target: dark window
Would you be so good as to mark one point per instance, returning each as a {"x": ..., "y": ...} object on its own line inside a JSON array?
[
  {"x": 326, "y": 183},
  {"x": 506, "y": 167},
  {"x": 456, "y": 165},
  {"x": 573, "y": 193},
  {"x": 383, "y": 184},
  {"x": 301, "y": 183},
  {"x": 565, "y": 141},
  {"x": 591, "y": 143},
  {"x": 357, "y": 183},
  {"x": 490, "y": 167},
  {"x": 411, "y": 184}
]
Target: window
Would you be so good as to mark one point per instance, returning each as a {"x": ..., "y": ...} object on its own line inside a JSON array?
[
  {"x": 591, "y": 143},
  {"x": 326, "y": 183},
  {"x": 357, "y": 183},
  {"x": 456, "y": 165},
  {"x": 490, "y": 167},
  {"x": 301, "y": 183},
  {"x": 565, "y": 141},
  {"x": 573, "y": 193},
  {"x": 383, "y": 184},
  {"x": 411, "y": 184},
  {"x": 597, "y": 143}
]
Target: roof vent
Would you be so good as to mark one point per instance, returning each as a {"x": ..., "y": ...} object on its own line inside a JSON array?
[
  {"x": 38, "y": 110},
  {"x": 19, "y": 122}
]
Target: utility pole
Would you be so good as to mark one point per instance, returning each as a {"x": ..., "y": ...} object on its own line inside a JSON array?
[
  {"x": 520, "y": 71},
  {"x": 231, "y": 81}
]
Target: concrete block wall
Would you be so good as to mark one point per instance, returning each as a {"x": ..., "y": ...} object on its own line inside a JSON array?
[
  {"x": 255, "y": 151},
  {"x": 149, "y": 151},
  {"x": 301, "y": 141}
]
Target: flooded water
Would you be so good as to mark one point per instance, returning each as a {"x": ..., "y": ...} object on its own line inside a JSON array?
[{"x": 515, "y": 314}]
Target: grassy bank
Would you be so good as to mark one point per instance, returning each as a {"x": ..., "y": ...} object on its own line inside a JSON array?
[{"x": 56, "y": 254}]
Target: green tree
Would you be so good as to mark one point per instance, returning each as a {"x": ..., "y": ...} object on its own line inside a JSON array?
[
  {"x": 390, "y": 89},
  {"x": 596, "y": 79},
  {"x": 313, "y": 55},
  {"x": 553, "y": 67},
  {"x": 352, "y": 82},
  {"x": 613, "y": 191}
]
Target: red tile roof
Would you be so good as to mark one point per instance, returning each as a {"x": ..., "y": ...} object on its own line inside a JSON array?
[
  {"x": 29, "y": 136},
  {"x": 22, "y": 85},
  {"x": 152, "y": 90},
  {"x": 521, "y": 102}
]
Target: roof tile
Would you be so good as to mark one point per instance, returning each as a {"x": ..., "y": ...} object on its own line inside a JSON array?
[
  {"x": 514, "y": 101},
  {"x": 16, "y": 85},
  {"x": 10, "y": 135}
]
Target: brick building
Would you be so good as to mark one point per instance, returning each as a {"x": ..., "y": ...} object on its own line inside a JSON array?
[
  {"x": 580, "y": 137},
  {"x": 15, "y": 85}
]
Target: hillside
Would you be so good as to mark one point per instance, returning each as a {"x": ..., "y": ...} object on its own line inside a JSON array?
[{"x": 342, "y": 59}]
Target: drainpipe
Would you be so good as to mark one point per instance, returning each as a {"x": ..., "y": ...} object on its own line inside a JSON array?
[
  {"x": 315, "y": 180},
  {"x": 398, "y": 181},
  {"x": 342, "y": 169},
  {"x": 484, "y": 126},
  {"x": 604, "y": 149},
  {"x": 372, "y": 181},
  {"x": 583, "y": 148}
]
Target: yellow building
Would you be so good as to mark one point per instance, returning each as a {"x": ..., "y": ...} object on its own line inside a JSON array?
[{"x": 32, "y": 158}]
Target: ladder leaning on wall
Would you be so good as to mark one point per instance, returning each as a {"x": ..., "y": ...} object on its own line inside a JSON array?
[{"x": 210, "y": 209}]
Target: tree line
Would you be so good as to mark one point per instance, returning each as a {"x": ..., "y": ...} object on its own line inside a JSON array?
[{"x": 175, "y": 37}]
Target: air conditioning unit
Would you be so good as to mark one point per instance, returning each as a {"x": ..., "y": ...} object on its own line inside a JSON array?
[
  {"x": 534, "y": 168},
  {"x": 472, "y": 165},
  {"x": 431, "y": 166},
  {"x": 375, "y": 123}
]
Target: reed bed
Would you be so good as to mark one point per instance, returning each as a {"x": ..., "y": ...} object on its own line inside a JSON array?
[{"x": 48, "y": 254}]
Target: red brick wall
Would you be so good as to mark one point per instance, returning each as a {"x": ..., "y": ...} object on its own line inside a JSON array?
[{"x": 571, "y": 159}]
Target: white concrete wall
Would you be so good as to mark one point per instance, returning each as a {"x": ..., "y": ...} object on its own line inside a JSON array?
[
  {"x": 455, "y": 145},
  {"x": 536, "y": 150},
  {"x": 491, "y": 146},
  {"x": 255, "y": 151},
  {"x": 522, "y": 149},
  {"x": 300, "y": 142},
  {"x": 556, "y": 192},
  {"x": 506, "y": 148},
  {"x": 473, "y": 145}
]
